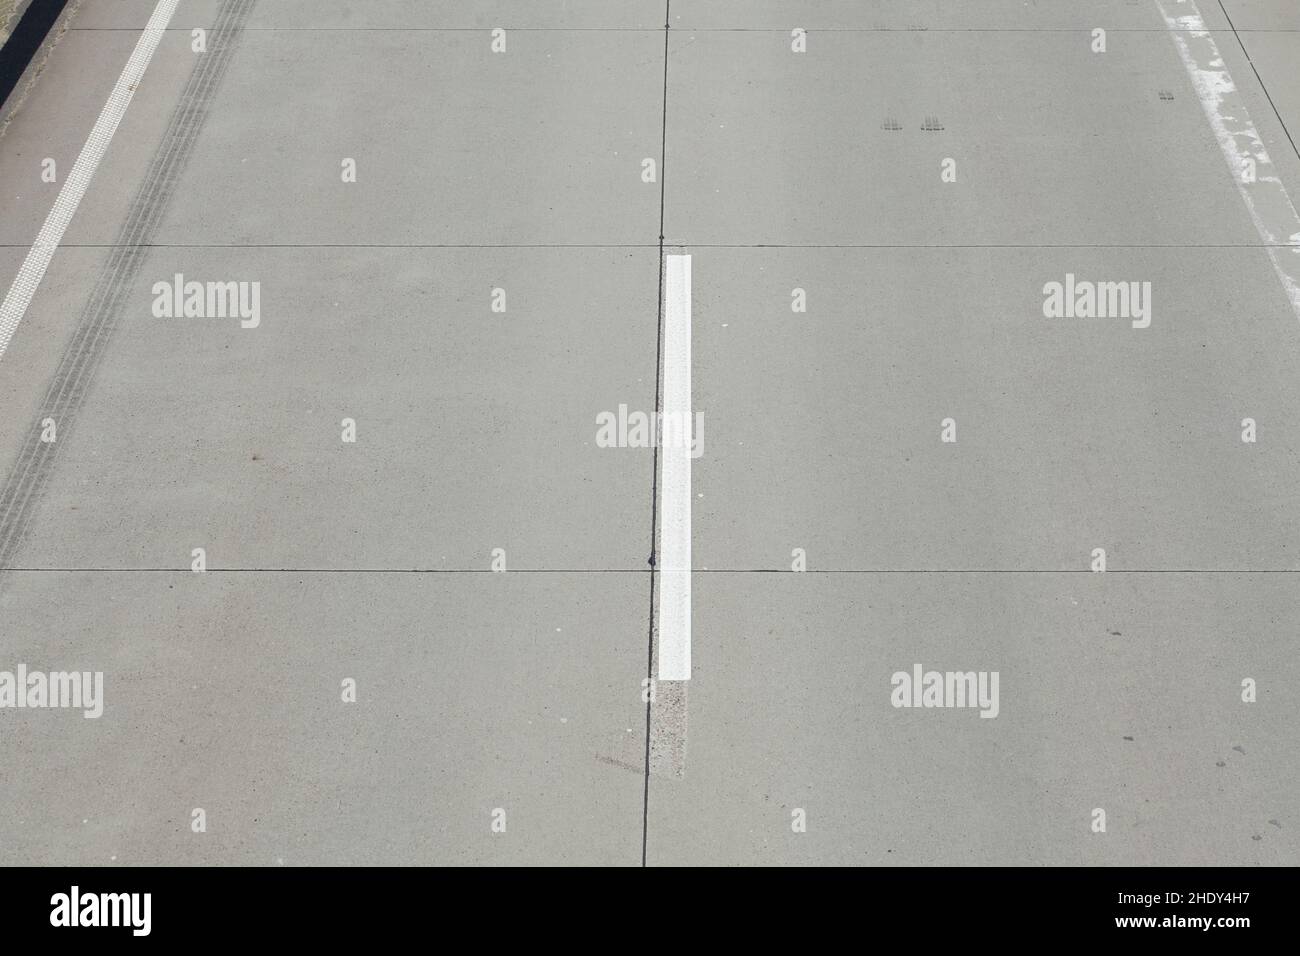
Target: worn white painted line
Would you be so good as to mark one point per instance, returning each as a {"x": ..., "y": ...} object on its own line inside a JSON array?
[
  {"x": 668, "y": 730},
  {"x": 1266, "y": 198},
  {"x": 42, "y": 251},
  {"x": 675, "y": 476}
]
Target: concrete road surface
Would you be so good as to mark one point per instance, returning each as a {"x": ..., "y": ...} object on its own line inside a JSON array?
[{"x": 301, "y": 406}]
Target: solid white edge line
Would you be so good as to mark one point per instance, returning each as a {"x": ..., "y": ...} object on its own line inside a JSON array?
[
  {"x": 42, "y": 251},
  {"x": 675, "y": 481}
]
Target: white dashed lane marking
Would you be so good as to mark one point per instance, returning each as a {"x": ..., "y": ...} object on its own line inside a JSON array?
[{"x": 675, "y": 481}]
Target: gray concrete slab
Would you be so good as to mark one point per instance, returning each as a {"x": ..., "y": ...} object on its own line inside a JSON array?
[
  {"x": 789, "y": 709},
  {"x": 823, "y": 430},
  {"x": 801, "y": 149},
  {"x": 1263, "y": 15},
  {"x": 223, "y": 693},
  {"x": 475, "y": 430},
  {"x": 553, "y": 112},
  {"x": 33, "y": 354},
  {"x": 601, "y": 15},
  {"x": 1000, "y": 16}
]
